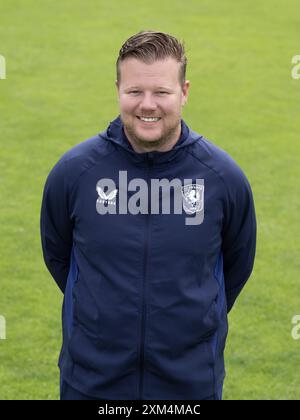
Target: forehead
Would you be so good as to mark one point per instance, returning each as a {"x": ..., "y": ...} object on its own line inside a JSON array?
[{"x": 161, "y": 72}]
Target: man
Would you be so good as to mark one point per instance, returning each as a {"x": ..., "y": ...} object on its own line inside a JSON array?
[{"x": 149, "y": 231}]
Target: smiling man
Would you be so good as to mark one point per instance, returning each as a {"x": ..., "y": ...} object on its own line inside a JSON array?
[
  {"x": 151, "y": 97},
  {"x": 149, "y": 230}
]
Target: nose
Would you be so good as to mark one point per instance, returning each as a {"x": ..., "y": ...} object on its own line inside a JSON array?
[{"x": 148, "y": 103}]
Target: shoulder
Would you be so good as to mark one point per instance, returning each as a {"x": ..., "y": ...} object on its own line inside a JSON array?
[
  {"x": 219, "y": 162},
  {"x": 88, "y": 151},
  {"x": 80, "y": 158}
]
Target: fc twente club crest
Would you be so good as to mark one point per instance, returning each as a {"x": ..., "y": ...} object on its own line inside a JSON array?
[{"x": 193, "y": 198}]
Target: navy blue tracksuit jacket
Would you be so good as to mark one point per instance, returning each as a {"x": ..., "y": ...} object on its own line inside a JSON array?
[{"x": 147, "y": 283}]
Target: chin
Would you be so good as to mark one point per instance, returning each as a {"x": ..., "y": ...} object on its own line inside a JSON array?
[
  {"x": 148, "y": 133},
  {"x": 149, "y": 140}
]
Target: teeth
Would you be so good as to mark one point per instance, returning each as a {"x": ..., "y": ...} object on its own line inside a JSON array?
[{"x": 149, "y": 119}]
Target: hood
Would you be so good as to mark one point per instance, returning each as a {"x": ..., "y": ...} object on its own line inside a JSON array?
[{"x": 115, "y": 134}]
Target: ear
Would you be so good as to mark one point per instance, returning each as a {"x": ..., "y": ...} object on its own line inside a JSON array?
[
  {"x": 118, "y": 88},
  {"x": 185, "y": 92}
]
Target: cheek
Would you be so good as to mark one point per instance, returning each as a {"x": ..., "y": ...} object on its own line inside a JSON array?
[
  {"x": 171, "y": 110},
  {"x": 126, "y": 106},
  {"x": 172, "y": 106}
]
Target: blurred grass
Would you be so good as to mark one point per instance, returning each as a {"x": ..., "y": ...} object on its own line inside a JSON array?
[{"x": 60, "y": 90}]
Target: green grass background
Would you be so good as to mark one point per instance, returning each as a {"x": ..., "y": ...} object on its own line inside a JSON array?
[{"x": 60, "y": 90}]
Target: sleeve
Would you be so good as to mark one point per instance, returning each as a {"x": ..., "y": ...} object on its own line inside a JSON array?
[
  {"x": 56, "y": 225},
  {"x": 239, "y": 238}
]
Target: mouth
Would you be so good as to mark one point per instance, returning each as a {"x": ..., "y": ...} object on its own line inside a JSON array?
[{"x": 149, "y": 120}]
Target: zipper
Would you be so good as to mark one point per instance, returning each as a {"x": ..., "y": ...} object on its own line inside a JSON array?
[{"x": 144, "y": 284}]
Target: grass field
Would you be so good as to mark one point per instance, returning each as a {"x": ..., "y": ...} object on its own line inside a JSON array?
[{"x": 59, "y": 90}]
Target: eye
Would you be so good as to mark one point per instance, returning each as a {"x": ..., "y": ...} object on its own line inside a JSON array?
[
  {"x": 162, "y": 93},
  {"x": 134, "y": 92}
]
